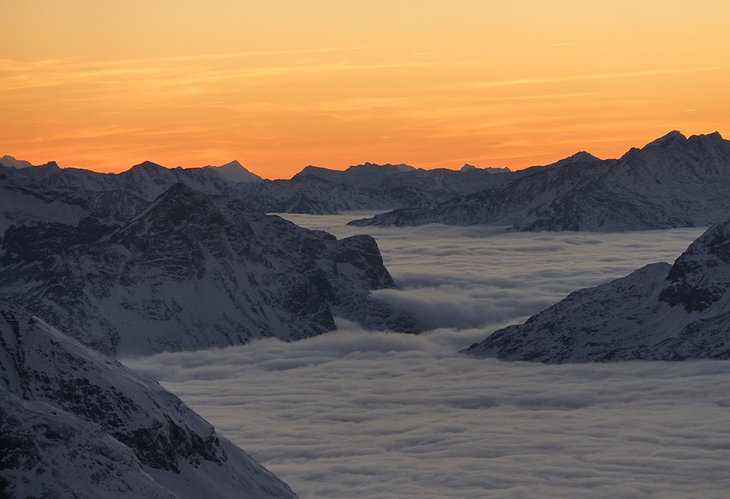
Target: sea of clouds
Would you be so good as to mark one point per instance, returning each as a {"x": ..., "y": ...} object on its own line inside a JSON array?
[{"x": 355, "y": 414}]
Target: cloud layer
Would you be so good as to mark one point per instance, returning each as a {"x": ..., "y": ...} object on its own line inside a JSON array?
[{"x": 363, "y": 414}]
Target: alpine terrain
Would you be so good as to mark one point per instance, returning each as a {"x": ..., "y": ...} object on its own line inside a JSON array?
[
  {"x": 659, "y": 312},
  {"x": 673, "y": 181},
  {"x": 74, "y": 423},
  {"x": 193, "y": 270}
]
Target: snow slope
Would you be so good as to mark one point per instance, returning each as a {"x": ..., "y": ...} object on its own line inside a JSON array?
[
  {"x": 77, "y": 424},
  {"x": 659, "y": 312}
]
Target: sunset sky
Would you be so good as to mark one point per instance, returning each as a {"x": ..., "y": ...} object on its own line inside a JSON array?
[{"x": 280, "y": 84}]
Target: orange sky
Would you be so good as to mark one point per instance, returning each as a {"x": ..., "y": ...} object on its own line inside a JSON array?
[{"x": 279, "y": 84}]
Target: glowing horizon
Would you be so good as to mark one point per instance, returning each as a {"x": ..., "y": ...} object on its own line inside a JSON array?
[{"x": 281, "y": 85}]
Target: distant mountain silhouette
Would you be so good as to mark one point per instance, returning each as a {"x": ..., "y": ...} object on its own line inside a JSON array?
[{"x": 673, "y": 181}]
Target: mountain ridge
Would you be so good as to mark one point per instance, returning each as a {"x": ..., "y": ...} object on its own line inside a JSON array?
[
  {"x": 193, "y": 270},
  {"x": 673, "y": 181}
]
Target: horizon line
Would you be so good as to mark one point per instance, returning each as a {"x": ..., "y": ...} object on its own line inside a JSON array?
[{"x": 243, "y": 165}]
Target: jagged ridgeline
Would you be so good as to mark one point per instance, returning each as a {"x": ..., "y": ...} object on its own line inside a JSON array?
[
  {"x": 660, "y": 312},
  {"x": 47, "y": 192},
  {"x": 673, "y": 181},
  {"x": 74, "y": 423},
  {"x": 193, "y": 270}
]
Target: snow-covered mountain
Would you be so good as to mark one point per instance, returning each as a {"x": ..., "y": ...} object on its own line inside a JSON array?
[
  {"x": 661, "y": 311},
  {"x": 366, "y": 187},
  {"x": 314, "y": 190},
  {"x": 193, "y": 271},
  {"x": 24, "y": 201},
  {"x": 234, "y": 172},
  {"x": 125, "y": 194},
  {"x": 11, "y": 162},
  {"x": 144, "y": 182},
  {"x": 407, "y": 186},
  {"x": 74, "y": 423},
  {"x": 673, "y": 181}
]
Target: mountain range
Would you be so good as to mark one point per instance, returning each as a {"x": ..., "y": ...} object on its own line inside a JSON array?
[
  {"x": 673, "y": 181},
  {"x": 29, "y": 191},
  {"x": 659, "y": 312},
  {"x": 193, "y": 270},
  {"x": 74, "y": 423}
]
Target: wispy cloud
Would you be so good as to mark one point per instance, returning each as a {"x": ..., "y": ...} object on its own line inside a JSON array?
[
  {"x": 178, "y": 71},
  {"x": 586, "y": 77}
]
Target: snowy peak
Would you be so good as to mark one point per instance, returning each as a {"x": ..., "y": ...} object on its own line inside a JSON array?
[
  {"x": 676, "y": 139},
  {"x": 11, "y": 162},
  {"x": 581, "y": 156},
  {"x": 235, "y": 172},
  {"x": 178, "y": 206},
  {"x": 374, "y": 167},
  {"x": 575, "y": 159},
  {"x": 79, "y": 424},
  {"x": 146, "y": 166},
  {"x": 700, "y": 277},
  {"x": 471, "y": 168},
  {"x": 233, "y": 164},
  {"x": 147, "y": 169},
  {"x": 178, "y": 195},
  {"x": 672, "y": 138},
  {"x": 713, "y": 137}
]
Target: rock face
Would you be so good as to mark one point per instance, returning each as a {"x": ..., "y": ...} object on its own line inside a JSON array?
[
  {"x": 74, "y": 423},
  {"x": 672, "y": 182},
  {"x": 193, "y": 271},
  {"x": 659, "y": 312}
]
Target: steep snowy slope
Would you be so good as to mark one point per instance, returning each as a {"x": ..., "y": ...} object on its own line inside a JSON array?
[
  {"x": 194, "y": 271},
  {"x": 74, "y": 423},
  {"x": 671, "y": 182},
  {"x": 661, "y": 311}
]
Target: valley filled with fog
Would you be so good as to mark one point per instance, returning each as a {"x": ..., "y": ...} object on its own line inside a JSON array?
[{"x": 363, "y": 414}]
